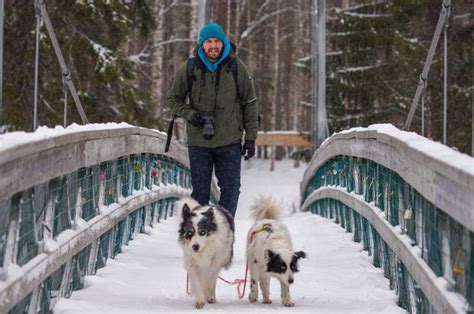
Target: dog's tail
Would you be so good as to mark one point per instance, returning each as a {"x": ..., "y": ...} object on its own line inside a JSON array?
[{"x": 265, "y": 207}]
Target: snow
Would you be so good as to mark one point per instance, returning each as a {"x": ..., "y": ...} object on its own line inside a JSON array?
[
  {"x": 138, "y": 58},
  {"x": 438, "y": 151},
  {"x": 282, "y": 132},
  {"x": 443, "y": 284},
  {"x": 357, "y": 69},
  {"x": 362, "y": 15},
  {"x": 104, "y": 54},
  {"x": 337, "y": 275},
  {"x": 13, "y": 139}
]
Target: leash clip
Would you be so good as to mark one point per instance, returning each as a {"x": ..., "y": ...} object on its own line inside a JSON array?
[{"x": 268, "y": 228}]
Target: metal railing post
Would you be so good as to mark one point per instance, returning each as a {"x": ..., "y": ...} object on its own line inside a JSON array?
[
  {"x": 445, "y": 77},
  {"x": 2, "y": 15},
  {"x": 65, "y": 101},
  {"x": 35, "y": 96}
]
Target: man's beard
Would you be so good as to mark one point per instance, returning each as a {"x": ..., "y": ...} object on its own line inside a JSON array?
[{"x": 210, "y": 55}]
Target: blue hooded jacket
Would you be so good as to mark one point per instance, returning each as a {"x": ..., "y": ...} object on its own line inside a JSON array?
[{"x": 213, "y": 30}]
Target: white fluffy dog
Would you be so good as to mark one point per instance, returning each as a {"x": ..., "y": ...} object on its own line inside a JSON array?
[
  {"x": 206, "y": 234},
  {"x": 270, "y": 252}
]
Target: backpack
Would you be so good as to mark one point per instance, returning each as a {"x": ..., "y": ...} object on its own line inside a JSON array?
[{"x": 231, "y": 66}]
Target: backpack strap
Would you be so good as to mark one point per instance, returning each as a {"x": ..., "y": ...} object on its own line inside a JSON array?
[
  {"x": 232, "y": 67},
  {"x": 190, "y": 65}
]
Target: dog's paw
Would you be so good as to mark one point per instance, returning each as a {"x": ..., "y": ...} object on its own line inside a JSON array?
[
  {"x": 211, "y": 300},
  {"x": 288, "y": 304},
  {"x": 252, "y": 298},
  {"x": 267, "y": 301},
  {"x": 199, "y": 304}
]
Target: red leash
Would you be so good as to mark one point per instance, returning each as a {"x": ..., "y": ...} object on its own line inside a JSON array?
[{"x": 237, "y": 282}]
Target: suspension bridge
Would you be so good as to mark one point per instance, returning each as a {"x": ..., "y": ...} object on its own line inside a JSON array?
[
  {"x": 78, "y": 201},
  {"x": 72, "y": 199}
]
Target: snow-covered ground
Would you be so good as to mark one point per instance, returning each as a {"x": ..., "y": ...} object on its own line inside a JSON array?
[{"x": 148, "y": 277}]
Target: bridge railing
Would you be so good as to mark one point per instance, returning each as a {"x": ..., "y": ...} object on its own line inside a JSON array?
[
  {"x": 69, "y": 200},
  {"x": 410, "y": 201}
]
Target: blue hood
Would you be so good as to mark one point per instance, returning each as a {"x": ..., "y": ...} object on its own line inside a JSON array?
[{"x": 213, "y": 30}]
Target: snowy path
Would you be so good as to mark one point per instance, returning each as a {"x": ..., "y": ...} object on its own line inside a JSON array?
[{"x": 149, "y": 277}]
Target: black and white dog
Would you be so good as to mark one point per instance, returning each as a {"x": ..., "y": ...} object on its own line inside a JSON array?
[
  {"x": 270, "y": 253},
  {"x": 206, "y": 234}
]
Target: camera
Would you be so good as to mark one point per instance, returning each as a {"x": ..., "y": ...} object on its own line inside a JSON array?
[{"x": 208, "y": 129}]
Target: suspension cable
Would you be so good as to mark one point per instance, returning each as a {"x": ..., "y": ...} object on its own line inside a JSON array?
[
  {"x": 429, "y": 60},
  {"x": 35, "y": 97},
  {"x": 423, "y": 95},
  {"x": 445, "y": 78},
  {"x": 2, "y": 15},
  {"x": 62, "y": 63},
  {"x": 65, "y": 101}
]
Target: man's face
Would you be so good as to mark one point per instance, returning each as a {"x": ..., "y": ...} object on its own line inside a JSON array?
[{"x": 212, "y": 48}]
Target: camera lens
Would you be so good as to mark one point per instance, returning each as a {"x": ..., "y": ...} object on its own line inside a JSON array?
[{"x": 208, "y": 129}]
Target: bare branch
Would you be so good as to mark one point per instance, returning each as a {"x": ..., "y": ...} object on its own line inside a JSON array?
[
  {"x": 357, "y": 7},
  {"x": 174, "y": 4},
  {"x": 137, "y": 58},
  {"x": 265, "y": 17},
  {"x": 172, "y": 41}
]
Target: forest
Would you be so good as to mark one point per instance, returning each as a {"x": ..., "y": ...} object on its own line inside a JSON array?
[{"x": 123, "y": 55}]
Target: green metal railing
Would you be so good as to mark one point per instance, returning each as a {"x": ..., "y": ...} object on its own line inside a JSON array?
[
  {"x": 69, "y": 201},
  {"x": 63, "y": 217},
  {"x": 410, "y": 295},
  {"x": 445, "y": 245},
  {"x": 56, "y": 206},
  {"x": 70, "y": 276}
]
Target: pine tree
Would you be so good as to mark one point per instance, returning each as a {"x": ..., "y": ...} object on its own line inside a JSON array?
[
  {"x": 91, "y": 36},
  {"x": 376, "y": 52}
]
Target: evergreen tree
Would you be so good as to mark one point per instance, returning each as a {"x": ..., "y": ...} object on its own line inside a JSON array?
[
  {"x": 376, "y": 52},
  {"x": 91, "y": 35}
]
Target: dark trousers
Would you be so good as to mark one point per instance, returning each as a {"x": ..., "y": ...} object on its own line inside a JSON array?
[{"x": 226, "y": 162}]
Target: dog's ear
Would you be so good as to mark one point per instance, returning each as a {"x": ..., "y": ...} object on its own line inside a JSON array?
[
  {"x": 300, "y": 254},
  {"x": 186, "y": 211},
  {"x": 209, "y": 213}
]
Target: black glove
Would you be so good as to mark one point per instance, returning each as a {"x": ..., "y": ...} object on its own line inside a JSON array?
[
  {"x": 197, "y": 120},
  {"x": 248, "y": 150}
]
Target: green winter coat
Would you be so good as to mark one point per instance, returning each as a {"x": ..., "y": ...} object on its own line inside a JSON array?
[{"x": 232, "y": 114}]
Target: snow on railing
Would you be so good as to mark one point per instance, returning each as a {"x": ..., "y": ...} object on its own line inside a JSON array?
[
  {"x": 410, "y": 201},
  {"x": 70, "y": 198}
]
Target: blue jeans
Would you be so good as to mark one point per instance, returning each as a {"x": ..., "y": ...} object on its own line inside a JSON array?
[{"x": 226, "y": 162}]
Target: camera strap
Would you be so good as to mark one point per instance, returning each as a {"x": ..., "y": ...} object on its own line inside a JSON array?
[{"x": 169, "y": 134}]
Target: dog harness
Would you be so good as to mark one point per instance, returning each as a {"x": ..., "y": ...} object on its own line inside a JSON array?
[{"x": 265, "y": 227}]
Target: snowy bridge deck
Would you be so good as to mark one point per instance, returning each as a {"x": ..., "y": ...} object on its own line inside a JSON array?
[{"x": 72, "y": 199}]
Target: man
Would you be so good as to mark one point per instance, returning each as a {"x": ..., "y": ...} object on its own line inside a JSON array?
[{"x": 222, "y": 105}]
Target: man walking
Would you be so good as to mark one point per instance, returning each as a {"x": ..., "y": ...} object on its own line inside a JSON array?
[{"x": 222, "y": 105}]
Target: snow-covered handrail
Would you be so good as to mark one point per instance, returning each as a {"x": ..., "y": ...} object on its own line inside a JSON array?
[
  {"x": 442, "y": 175},
  {"x": 28, "y": 159},
  {"x": 410, "y": 200},
  {"x": 70, "y": 198}
]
